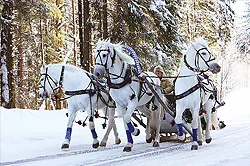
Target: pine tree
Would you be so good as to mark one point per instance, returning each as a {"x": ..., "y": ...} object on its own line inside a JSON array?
[{"x": 7, "y": 63}]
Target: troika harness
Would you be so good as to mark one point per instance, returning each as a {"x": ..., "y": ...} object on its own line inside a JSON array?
[
  {"x": 196, "y": 69},
  {"x": 127, "y": 78}
]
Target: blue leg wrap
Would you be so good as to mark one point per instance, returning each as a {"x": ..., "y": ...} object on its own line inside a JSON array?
[
  {"x": 180, "y": 129},
  {"x": 94, "y": 135},
  {"x": 68, "y": 133},
  {"x": 195, "y": 137},
  {"x": 129, "y": 137},
  {"x": 130, "y": 127}
]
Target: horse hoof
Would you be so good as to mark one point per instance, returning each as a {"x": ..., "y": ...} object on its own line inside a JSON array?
[
  {"x": 103, "y": 144},
  {"x": 208, "y": 140},
  {"x": 127, "y": 149},
  {"x": 199, "y": 143},
  {"x": 136, "y": 132},
  {"x": 149, "y": 140},
  {"x": 194, "y": 147},
  {"x": 117, "y": 142},
  {"x": 182, "y": 138},
  {"x": 65, "y": 146},
  {"x": 96, "y": 145},
  {"x": 156, "y": 144}
]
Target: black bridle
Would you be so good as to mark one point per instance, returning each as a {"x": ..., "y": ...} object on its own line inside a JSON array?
[
  {"x": 51, "y": 81},
  {"x": 197, "y": 56},
  {"x": 109, "y": 54},
  {"x": 113, "y": 58}
]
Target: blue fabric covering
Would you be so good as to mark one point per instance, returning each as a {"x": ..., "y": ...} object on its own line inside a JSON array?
[
  {"x": 137, "y": 63},
  {"x": 101, "y": 80},
  {"x": 130, "y": 127},
  {"x": 68, "y": 133},
  {"x": 195, "y": 138},
  {"x": 94, "y": 135},
  {"x": 180, "y": 129},
  {"x": 129, "y": 137}
]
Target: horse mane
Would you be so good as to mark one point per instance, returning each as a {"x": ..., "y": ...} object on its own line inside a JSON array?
[
  {"x": 118, "y": 47},
  {"x": 124, "y": 57}
]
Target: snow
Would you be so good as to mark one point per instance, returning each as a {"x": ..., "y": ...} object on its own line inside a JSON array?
[{"x": 34, "y": 137}]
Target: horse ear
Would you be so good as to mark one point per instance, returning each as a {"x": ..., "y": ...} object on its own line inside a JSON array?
[{"x": 42, "y": 68}]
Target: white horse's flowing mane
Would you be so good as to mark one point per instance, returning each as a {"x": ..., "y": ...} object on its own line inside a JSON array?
[{"x": 118, "y": 48}]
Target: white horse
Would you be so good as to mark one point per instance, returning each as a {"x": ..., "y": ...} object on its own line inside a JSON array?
[
  {"x": 187, "y": 86},
  {"x": 128, "y": 92},
  {"x": 84, "y": 93}
]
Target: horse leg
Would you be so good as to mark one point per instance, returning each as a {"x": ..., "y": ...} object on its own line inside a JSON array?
[
  {"x": 214, "y": 120},
  {"x": 149, "y": 137},
  {"x": 130, "y": 129},
  {"x": 105, "y": 137},
  {"x": 208, "y": 107},
  {"x": 178, "y": 121},
  {"x": 199, "y": 132},
  {"x": 127, "y": 119},
  {"x": 94, "y": 134},
  {"x": 112, "y": 116},
  {"x": 195, "y": 129},
  {"x": 71, "y": 118},
  {"x": 157, "y": 118},
  {"x": 111, "y": 125},
  {"x": 148, "y": 113}
]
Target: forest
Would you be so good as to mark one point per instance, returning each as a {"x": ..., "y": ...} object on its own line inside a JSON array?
[{"x": 37, "y": 32}]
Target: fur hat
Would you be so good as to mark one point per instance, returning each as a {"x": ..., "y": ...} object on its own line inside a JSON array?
[{"x": 158, "y": 69}]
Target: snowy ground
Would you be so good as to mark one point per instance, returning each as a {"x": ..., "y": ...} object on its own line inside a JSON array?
[{"x": 34, "y": 138}]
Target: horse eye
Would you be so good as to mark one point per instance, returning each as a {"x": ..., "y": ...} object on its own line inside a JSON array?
[
  {"x": 203, "y": 53},
  {"x": 104, "y": 55}
]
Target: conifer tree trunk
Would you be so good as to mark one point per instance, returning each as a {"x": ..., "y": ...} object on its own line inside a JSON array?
[
  {"x": 74, "y": 32},
  {"x": 80, "y": 33},
  {"x": 87, "y": 36},
  {"x": 20, "y": 71},
  {"x": 7, "y": 87},
  {"x": 105, "y": 19}
]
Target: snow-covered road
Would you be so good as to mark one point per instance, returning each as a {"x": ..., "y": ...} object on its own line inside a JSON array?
[{"x": 35, "y": 137}]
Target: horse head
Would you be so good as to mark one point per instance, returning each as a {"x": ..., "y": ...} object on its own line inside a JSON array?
[
  {"x": 198, "y": 57},
  {"x": 48, "y": 83},
  {"x": 107, "y": 55}
]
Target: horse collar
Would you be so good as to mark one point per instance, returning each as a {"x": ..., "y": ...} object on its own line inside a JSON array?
[{"x": 127, "y": 80}]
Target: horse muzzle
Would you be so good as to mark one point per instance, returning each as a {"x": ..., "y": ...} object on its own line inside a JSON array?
[
  {"x": 43, "y": 95},
  {"x": 214, "y": 68},
  {"x": 99, "y": 71}
]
